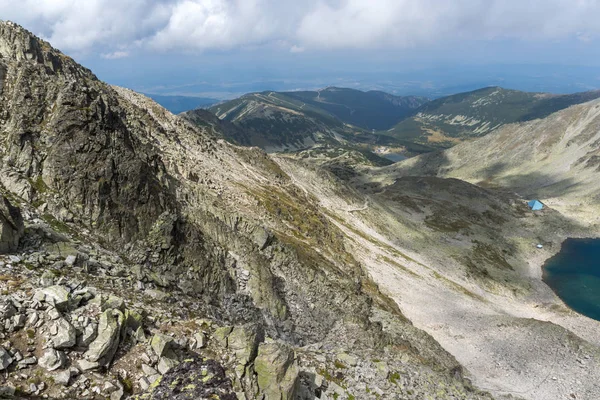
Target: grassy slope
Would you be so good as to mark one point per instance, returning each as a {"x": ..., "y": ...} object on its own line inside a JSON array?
[{"x": 445, "y": 122}]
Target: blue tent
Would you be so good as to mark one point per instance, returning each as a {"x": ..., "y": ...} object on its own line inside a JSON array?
[{"x": 535, "y": 205}]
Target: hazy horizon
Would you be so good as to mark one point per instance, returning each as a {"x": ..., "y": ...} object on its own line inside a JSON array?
[{"x": 224, "y": 48}]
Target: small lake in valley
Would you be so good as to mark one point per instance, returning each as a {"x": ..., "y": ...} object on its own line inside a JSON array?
[
  {"x": 574, "y": 275},
  {"x": 395, "y": 157}
]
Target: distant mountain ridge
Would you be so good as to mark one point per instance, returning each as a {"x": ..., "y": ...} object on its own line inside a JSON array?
[
  {"x": 368, "y": 110},
  {"x": 446, "y": 121},
  {"x": 299, "y": 120},
  {"x": 379, "y": 121}
]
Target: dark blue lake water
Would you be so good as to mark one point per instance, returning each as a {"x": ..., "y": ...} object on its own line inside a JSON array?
[
  {"x": 395, "y": 157},
  {"x": 574, "y": 275}
]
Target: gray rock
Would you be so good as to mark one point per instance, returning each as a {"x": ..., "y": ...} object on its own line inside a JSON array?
[
  {"x": 52, "y": 359},
  {"x": 161, "y": 344},
  {"x": 17, "y": 355},
  {"x": 166, "y": 364},
  {"x": 221, "y": 334},
  {"x": 103, "y": 348},
  {"x": 157, "y": 294},
  {"x": 19, "y": 321},
  {"x": 66, "y": 335},
  {"x": 200, "y": 339},
  {"x": 71, "y": 260},
  {"x": 33, "y": 318},
  {"x": 89, "y": 334},
  {"x": 7, "y": 392},
  {"x": 114, "y": 302},
  {"x": 5, "y": 359},
  {"x": 148, "y": 370},
  {"x": 243, "y": 341},
  {"x": 277, "y": 370},
  {"x": 85, "y": 365},
  {"x": 144, "y": 383},
  {"x": 109, "y": 387},
  {"x": 56, "y": 295},
  {"x": 118, "y": 394},
  {"x": 7, "y": 309},
  {"x": 347, "y": 360},
  {"x": 53, "y": 313},
  {"x": 139, "y": 335},
  {"x": 47, "y": 279},
  {"x": 62, "y": 378},
  {"x": 24, "y": 363}
]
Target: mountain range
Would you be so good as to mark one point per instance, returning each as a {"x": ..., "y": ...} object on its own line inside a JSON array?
[
  {"x": 146, "y": 256},
  {"x": 376, "y": 120}
]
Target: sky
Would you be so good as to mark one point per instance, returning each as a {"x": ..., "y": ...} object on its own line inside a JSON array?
[{"x": 222, "y": 48}]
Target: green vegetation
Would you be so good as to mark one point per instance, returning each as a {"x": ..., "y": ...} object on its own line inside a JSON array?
[{"x": 444, "y": 122}]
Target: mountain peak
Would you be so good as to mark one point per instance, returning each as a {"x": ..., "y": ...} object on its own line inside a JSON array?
[{"x": 18, "y": 44}]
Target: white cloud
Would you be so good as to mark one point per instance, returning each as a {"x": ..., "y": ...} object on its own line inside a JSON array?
[
  {"x": 115, "y": 55},
  {"x": 115, "y": 27},
  {"x": 297, "y": 49}
]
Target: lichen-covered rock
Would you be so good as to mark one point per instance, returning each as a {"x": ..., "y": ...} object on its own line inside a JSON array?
[
  {"x": 193, "y": 379},
  {"x": 161, "y": 344},
  {"x": 243, "y": 341},
  {"x": 221, "y": 334},
  {"x": 11, "y": 226},
  {"x": 114, "y": 302},
  {"x": 104, "y": 347},
  {"x": 277, "y": 371}
]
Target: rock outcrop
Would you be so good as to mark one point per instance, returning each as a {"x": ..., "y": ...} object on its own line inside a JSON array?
[
  {"x": 277, "y": 371},
  {"x": 11, "y": 226}
]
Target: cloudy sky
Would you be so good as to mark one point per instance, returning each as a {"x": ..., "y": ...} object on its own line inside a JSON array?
[{"x": 201, "y": 46}]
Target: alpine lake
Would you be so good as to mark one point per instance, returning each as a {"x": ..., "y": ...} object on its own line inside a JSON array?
[{"x": 574, "y": 275}]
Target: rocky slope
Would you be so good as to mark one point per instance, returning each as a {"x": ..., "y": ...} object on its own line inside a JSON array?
[
  {"x": 444, "y": 122},
  {"x": 513, "y": 334},
  {"x": 155, "y": 260},
  {"x": 277, "y": 122}
]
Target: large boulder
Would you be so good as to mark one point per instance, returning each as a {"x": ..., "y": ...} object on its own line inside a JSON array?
[
  {"x": 277, "y": 371},
  {"x": 11, "y": 226},
  {"x": 63, "y": 334},
  {"x": 104, "y": 347},
  {"x": 57, "y": 296}
]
